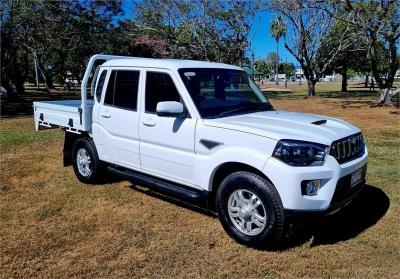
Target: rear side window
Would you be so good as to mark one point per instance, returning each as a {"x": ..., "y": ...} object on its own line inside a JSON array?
[
  {"x": 122, "y": 89},
  {"x": 159, "y": 88},
  {"x": 100, "y": 85}
]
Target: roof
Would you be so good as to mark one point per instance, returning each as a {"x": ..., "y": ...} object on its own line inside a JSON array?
[{"x": 172, "y": 64}]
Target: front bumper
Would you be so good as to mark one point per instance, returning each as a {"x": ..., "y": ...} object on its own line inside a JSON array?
[
  {"x": 335, "y": 191},
  {"x": 334, "y": 207}
]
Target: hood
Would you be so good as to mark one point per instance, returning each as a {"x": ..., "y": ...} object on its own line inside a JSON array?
[{"x": 287, "y": 125}]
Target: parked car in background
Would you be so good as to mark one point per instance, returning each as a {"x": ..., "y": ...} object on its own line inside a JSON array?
[{"x": 2, "y": 90}]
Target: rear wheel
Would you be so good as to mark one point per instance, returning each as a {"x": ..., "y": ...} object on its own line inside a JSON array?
[
  {"x": 250, "y": 210},
  {"x": 86, "y": 162}
]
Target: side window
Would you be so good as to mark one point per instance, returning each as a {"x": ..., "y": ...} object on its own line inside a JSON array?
[
  {"x": 122, "y": 89},
  {"x": 100, "y": 85},
  {"x": 159, "y": 88}
]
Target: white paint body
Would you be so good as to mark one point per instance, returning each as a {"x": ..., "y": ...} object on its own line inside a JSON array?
[{"x": 170, "y": 148}]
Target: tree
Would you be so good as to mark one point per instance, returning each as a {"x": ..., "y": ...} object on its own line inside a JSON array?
[
  {"x": 353, "y": 56},
  {"x": 287, "y": 68},
  {"x": 14, "y": 56},
  {"x": 35, "y": 29},
  {"x": 272, "y": 60},
  {"x": 92, "y": 26},
  {"x": 308, "y": 23},
  {"x": 277, "y": 30},
  {"x": 379, "y": 25},
  {"x": 262, "y": 67},
  {"x": 267, "y": 66},
  {"x": 212, "y": 30},
  {"x": 58, "y": 35}
]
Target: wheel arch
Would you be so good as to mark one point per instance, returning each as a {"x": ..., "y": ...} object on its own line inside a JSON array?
[
  {"x": 225, "y": 169},
  {"x": 69, "y": 141}
]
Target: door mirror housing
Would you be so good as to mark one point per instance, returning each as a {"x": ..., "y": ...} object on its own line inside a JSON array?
[{"x": 170, "y": 109}]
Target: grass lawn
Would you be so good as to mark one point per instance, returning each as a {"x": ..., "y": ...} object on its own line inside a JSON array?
[{"x": 53, "y": 226}]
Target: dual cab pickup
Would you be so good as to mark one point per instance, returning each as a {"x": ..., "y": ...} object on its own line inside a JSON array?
[{"x": 205, "y": 133}]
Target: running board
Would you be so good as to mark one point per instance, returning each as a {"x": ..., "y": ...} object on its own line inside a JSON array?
[{"x": 187, "y": 194}]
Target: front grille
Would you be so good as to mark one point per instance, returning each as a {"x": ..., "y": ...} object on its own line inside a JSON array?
[{"x": 348, "y": 148}]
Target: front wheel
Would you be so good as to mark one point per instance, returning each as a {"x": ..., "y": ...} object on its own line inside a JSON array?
[
  {"x": 86, "y": 162},
  {"x": 250, "y": 210}
]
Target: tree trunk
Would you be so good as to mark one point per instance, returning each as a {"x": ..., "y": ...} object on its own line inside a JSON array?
[
  {"x": 385, "y": 97},
  {"x": 48, "y": 79},
  {"x": 366, "y": 81},
  {"x": 344, "y": 78},
  {"x": 19, "y": 86},
  {"x": 277, "y": 62},
  {"x": 385, "y": 86},
  {"x": 18, "y": 81},
  {"x": 311, "y": 87}
]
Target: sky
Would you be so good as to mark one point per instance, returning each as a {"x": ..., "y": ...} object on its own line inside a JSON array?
[{"x": 261, "y": 41}]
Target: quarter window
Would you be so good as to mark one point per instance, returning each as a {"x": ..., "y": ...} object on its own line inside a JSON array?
[
  {"x": 159, "y": 88},
  {"x": 122, "y": 89},
  {"x": 100, "y": 85}
]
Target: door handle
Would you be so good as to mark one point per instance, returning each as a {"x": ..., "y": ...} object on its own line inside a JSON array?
[
  {"x": 106, "y": 115},
  {"x": 149, "y": 122}
]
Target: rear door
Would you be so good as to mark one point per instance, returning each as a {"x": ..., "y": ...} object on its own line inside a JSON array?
[{"x": 118, "y": 118}]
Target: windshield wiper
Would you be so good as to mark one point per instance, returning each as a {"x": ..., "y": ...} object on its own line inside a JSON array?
[
  {"x": 264, "y": 107},
  {"x": 232, "y": 111},
  {"x": 250, "y": 107}
]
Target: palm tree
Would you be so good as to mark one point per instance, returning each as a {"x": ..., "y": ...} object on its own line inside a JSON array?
[{"x": 277, "y": 30}]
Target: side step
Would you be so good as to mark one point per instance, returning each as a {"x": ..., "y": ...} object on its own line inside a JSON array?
[{"x": 187, "y": 194}]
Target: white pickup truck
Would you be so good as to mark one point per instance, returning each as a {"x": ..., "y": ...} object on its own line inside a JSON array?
[{"x": 204, "y": 132}]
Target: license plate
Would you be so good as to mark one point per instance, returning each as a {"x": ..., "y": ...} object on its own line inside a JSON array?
[{"x": 356, "y": 177}]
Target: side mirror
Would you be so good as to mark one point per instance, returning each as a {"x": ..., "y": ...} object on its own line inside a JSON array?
[{"x": 169, "y": 109}]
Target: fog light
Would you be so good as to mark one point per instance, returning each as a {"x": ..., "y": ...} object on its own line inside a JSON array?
[{"x": 312, "y": 187}]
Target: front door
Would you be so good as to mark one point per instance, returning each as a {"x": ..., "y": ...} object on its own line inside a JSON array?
[
  {"x": 166, "y": 143},
  {"x": 119, "y": 118}
]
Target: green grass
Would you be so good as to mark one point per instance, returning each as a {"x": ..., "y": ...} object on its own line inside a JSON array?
[
  {"x": 17, "y": 138},
  {"x": 51, "y": 225},
  {"x": 384, "y": 158}
]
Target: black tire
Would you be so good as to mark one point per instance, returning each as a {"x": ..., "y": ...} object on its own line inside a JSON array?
[
  {"x": 95, "y": 165},
  {"x": 268, "y": 237}
]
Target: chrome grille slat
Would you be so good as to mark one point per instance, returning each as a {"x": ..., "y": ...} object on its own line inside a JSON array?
[
  {"x": 348, "y": 148},
  {"x": 343, "y": 143},
  {"x": 337, "y": 151}
]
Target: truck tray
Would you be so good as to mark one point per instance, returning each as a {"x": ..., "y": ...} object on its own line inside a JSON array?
[{"x": 67, "y": 113}]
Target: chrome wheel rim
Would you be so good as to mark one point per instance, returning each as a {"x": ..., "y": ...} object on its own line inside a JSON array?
[
  {"x": 247, "y": 212},
  {"x": 83, "y": 162}
]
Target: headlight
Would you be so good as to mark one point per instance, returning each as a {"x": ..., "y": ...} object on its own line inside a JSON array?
[{"x": 300, "y": 153}]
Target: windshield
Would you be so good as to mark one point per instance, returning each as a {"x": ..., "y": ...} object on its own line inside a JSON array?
[{"x": 223, "y": 92}]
